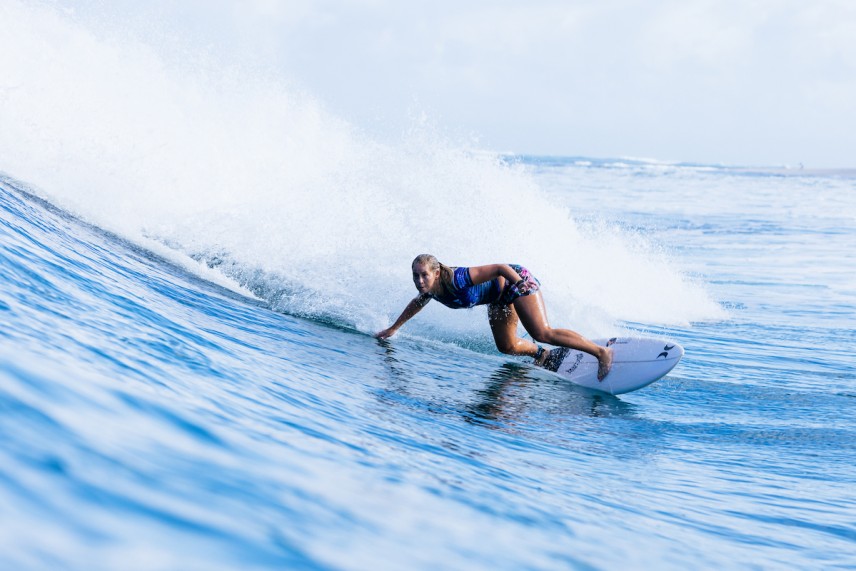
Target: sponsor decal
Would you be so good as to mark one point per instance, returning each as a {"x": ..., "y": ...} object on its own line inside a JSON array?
[
  {"x": 577, "y": 360},
  {"x": 665, "y": 353}
]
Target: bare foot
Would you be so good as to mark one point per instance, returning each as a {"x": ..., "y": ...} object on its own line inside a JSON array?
[{"x": 604, "y": 363}]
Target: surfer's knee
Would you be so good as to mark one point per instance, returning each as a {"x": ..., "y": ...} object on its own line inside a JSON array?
[
  {"x": 544, "y": 335},
  {"x": 507, "y": 346}
]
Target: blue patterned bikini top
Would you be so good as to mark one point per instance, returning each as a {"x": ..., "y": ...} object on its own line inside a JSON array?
[{"x": 464, "y": 294}]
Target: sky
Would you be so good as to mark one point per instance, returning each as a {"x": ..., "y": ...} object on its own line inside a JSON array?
[{"x": 750, "y": 82}]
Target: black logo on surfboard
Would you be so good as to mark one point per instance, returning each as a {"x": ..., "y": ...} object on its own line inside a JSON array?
[
  {"x": 665, "y": 353},
  {"x": 576, "y": 363}
]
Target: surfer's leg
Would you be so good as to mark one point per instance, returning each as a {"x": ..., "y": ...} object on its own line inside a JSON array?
[
  {"x": 503, "y": 324},
  {"x": 533, "y": 315}
]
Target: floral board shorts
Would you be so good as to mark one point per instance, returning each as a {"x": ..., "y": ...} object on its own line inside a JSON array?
[{"x": 527, "y": 285}]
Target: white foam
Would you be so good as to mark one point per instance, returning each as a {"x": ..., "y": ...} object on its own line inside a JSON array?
[{"x": 232, "y": 167}]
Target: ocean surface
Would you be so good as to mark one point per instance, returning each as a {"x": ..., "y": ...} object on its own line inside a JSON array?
[
  {"x": 153, "y": 419},
  {"x": 192, "y": 265}
]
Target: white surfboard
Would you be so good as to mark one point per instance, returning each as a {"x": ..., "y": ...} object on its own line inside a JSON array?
[{"x": 637, "y": 362}]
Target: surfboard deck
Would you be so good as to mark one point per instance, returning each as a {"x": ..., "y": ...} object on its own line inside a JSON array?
[{"x": 637, "y": 362}]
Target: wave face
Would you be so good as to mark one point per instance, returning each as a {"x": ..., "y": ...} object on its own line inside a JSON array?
[
  {"x": 229, "y": 166},
  {"x": 154, "y": 420}
]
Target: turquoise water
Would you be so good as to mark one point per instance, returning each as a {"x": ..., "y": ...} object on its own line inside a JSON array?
[{"x": 154, "y": 420}]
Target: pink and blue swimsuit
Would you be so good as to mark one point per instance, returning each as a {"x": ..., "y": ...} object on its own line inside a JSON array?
[{"x": 465, "y": 294}]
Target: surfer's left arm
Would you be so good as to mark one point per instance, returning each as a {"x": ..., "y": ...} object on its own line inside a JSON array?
[{"x": 481, "y": 274}]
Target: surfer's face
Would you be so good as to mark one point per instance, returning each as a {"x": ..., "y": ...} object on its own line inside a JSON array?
[{"x": 424, "y": 278}]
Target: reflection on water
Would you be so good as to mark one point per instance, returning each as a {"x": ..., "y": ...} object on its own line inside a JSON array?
[
  {"x": 514, "y": 389},
  {"x": 513, "y": 394}
]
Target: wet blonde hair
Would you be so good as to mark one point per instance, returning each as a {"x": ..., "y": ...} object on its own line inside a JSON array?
[{"x": 446, "y": 273}]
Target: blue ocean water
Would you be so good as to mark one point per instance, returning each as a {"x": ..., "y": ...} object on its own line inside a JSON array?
[
  {"x": 155, "y": 420},
  {"x": 193, "y": 259}
]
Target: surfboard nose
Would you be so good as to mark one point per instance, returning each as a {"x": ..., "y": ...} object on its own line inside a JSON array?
[{"x": 671, "y": 350}]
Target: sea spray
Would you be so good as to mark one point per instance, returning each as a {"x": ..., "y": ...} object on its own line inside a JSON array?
[{"x": 232, "y": 167}]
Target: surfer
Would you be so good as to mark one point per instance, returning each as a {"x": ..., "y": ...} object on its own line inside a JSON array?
[{"x": 511, "y": 294}]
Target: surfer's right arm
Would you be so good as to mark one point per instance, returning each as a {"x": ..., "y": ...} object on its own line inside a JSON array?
[{"x": 415, "y": 306}]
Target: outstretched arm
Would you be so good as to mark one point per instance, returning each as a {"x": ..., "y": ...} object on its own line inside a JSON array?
[
  {"x": 415, "y": 306},
  {"x": 481, "y": 274}
]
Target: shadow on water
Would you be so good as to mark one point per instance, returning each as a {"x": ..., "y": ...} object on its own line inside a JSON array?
[{"x": 514, "y": 393}]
